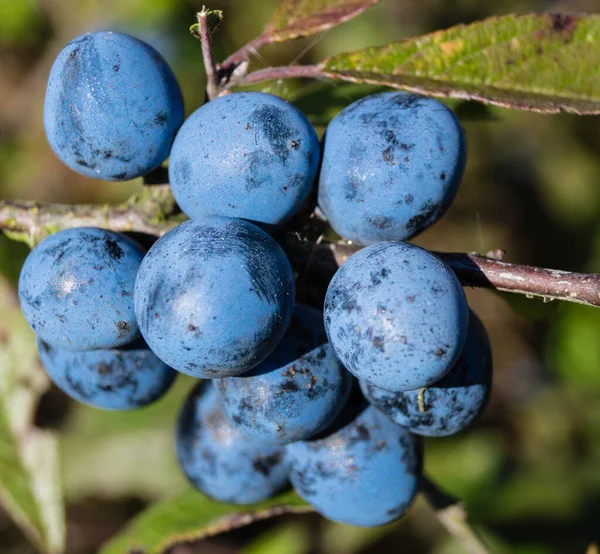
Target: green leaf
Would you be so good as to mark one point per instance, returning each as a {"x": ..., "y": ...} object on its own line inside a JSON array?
[
  {"x": 213, "y": 19},
  {"x": 29, "y": 467},
  {"x": 299, "y": 18},
  {"x": 540, "y": 62},
  {"x": 191, "y": 516}
]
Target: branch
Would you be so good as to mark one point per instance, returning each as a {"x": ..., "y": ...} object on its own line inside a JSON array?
[
  {"x": 155, "y": 212},
  {"x": 152, "y": 212},
  {"x": 550, "y": 284},
  {"x": 478, "y": 271},
  {"x": 453, "y": 516}
]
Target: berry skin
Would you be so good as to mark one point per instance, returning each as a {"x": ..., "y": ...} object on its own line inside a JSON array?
[
  {"x": 112, "y": 106},
  {"x": 125, "y": 379},
  {"x": 396, "y": 316},
  {"x": 451, "y": 404},
  {"x": 296, "y": 392},
  {"x": 76, "y": 289},
  {"x": 249, "y": 155},
  {"x": 219, "y": 460},
  {"x": 392, "y": 164},
  {"x": 366, "y": 473},
  {"x": 214, "y": 297}
]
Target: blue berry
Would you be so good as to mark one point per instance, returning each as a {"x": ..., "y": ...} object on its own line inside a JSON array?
[
  {"x": 249, "y": 155},
  {"x": 365, "y": 473},
  {"x": 296, "y": 392},
  {"x": 112, "y": 106},
  {"x": 76, "y": 289},
  {"x": 392, "y": 164},
  {"x": 124, "y": 379},
  {"x": 451, "y": 404},
  {"x": 396, "y": 316},
  {"x": 214, "y": 296},
  {"x": 219, "y": 460}
]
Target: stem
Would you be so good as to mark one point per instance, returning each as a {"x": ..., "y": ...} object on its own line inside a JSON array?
[
  {"x": 286, "y": 72},
  {"x": 243, "y": 53},
  {"x": 453, "y": 516},
  {"x": 478, "y": 271},
  {"x": 551, "y": 284},
  {"x": 212, "y": 76}
]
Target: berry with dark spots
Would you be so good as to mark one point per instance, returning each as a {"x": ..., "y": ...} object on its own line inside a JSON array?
[
  {"x": 369, "y": 188},
  {"x": 364, "y": 473},
  {"x": 296, "y": 392},
  {"x": 76, "y": 289},
  {"x": 414, "y": 341},
  {"x": 249, "y": 155},
  {"x": 451, "y": 404},
  {"x": 124, "y": 379},
  {"x": 220, "y": 461},
  {"x": 224, "y": 293},
  {"x": 112, "y": 106}
]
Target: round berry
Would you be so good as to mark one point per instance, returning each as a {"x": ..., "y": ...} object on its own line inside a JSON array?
[
  {"x": 451, "y": 404},
  {"x": 219, "y": 460},
  {"x": 392, "y": 164},
  {"x": 214, "y": 296},
  {"x": 365, "y": 473},
  {"x": 112, "y": 106},
  {"x": 249, "y": 155},
  {"x": 296, "y": 392},
  {"x": 124, "y": 379},
  {"x": 76, "y": 289},
  {"x": 396, "y": 316}
]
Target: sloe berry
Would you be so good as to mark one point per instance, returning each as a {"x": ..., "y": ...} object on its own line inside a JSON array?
[
  {"x": 396, "y": 316},
  {"x": 296, "y": 392},
  {"x": 249, "y": 155},
  {"x": 219, "y": 460},
  {"x": 124, "y": 379},
  {"x": 392, "y": 164},
  {"x": 112, "y": 106},
  {"x": 76, "y": 289},
  {"x": 451, "y": 404},
  {"x": 214, "y": 296},
  {"x": 365, "y": 473}
]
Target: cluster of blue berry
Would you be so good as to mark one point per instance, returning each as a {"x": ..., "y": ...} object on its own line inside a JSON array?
[{"x": 330, "y": 400}]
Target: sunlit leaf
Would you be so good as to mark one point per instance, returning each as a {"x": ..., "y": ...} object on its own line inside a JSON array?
[
  {"x": 190, "y": 516},
  {"x": 540, "y": 62},
  {"x": 299, "y": 18}
]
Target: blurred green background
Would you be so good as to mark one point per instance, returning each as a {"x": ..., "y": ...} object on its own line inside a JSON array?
[{"x": 529, "y": 472}]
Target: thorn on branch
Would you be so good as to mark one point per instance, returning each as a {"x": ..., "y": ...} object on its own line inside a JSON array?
[{"x": 497, "y": 254}]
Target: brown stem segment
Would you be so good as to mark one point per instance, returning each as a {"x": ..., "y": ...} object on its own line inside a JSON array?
[
  {"x": 288, "y": 72},
  {"x": 243, "y": 53},
  {"x": 212, "y": 77},
  {"x": 474, "y": 270}
]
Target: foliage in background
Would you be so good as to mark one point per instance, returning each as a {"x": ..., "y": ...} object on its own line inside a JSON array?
[{"x": 30, "y": 485}]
